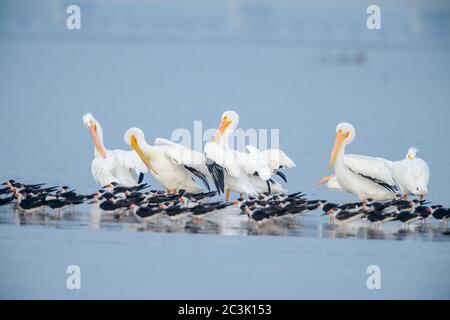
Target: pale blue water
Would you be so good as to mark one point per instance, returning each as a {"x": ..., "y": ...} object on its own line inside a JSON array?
[{"x": 300, "y": 67}]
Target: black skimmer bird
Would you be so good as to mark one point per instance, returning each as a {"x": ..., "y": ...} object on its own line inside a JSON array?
[
  {"x": 30, "y": 204},
  {"x": 441, "y": 214},
  {"x": 260, "y": 216},
  {"x": 175, "y": 211},
  {"x": 5, "y": 190},
  {"x": 146, "y": 213},
  {"x": 407, "y": 217},
  {"x": 202, "y": 209},
  {"x": 7, "y": 200},
  {"x": 110, "y": 206},
  {"x": 423, "y": 211},
  {"x": 377, "y": 217},
  {"x": 12, "y": 183},
  {"x": 58, "y": 204},
  {"x": 347, "y": 217}
]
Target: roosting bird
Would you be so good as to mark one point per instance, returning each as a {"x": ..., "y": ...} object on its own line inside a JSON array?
[
  {"x": 411, "y": 175},
  {"x": 119, "y": 166},
  {"x": 172, "y": 172},
  {"x": 365, "y": 177}
]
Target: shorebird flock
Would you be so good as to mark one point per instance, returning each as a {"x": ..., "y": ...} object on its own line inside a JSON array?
[
  {"x": 149, "y": 206},
  {"x": 269, "y": 208},
  {"x": 381, "y": 186}
]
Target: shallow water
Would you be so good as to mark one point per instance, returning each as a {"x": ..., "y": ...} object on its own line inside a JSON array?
[
  {"x": 293, "y": 66},
  {"x": 227, "y": 222}
]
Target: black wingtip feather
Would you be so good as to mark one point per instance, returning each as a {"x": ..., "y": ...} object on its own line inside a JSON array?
[
  {"x": 217, "y": 175},
  {"x": 199, "y": 175},
  {"x": 385, "y": 185},
  {"x": 281, "y": 175}
]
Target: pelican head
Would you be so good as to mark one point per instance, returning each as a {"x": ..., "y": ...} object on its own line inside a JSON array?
[
  {"x": 411, "y": 153},
  {"x": 135, "y": 138},
  {"x": 345, "y": 134},
  {"x": 228, "y": 123},
  {"x": 96, "y": 132}
]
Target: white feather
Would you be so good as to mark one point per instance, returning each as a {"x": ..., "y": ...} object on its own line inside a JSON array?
[
  {"x": 184, "y": 156},
  {"x": 374, "y": 167},
  {"x": 411, "y": 174}
]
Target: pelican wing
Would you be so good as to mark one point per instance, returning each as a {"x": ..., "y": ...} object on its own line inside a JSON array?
[
  {"x": 224, "y": 157},
  {"x": 378, "y": 170},
  {"x": 182, "y": 155},
  {"x": 221, "y": 160},
  {"x": 270, "y": 185},
  {"x": 191, "y": 160},
  {"x": 253, "y": 163},
  {"x": 277, "y": 159},
  {"x": 101, "y": 170},
  {"x": 131, "y": 161},
  {"x": 267, "y": 162}
]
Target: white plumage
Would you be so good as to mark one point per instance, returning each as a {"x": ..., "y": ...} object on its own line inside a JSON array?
[
  {"x": 119, "y": 166},
  {"x": 364, "y": 176},
  {"x": 235, "y": 171},
  {"x": 262, "y": 186},
  {"x": 274, "y": 160},
  {"x": 411, "y": 174},
  {"x": 183, "y": 156},
  {"x": 167, "y": 162},
  {"x": 224, "y": 165},
  {"x": 369, "y": 166}
]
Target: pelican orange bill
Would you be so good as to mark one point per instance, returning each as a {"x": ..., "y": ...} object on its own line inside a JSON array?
[
  {"x": 134, "y": 144},
  {"x": 96, "y": 139},
  {"x": 340, "y": 137},
  {"x": 223, "y": 126}
]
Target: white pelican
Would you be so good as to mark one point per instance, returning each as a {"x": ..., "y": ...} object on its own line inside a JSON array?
[
  {"x": 411, "y": 175},
  {"x": 354, "y": 161},
  {"x": 119, "y": 166},
  {"x": 165, "y": 162},
  {"x": 366, "y": 177},
  {"x": 230, "y": 169},
  {"x": 276, "y": 160}
]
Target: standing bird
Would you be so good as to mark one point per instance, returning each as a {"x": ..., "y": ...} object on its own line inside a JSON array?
[
  {"x": 173, "y": 172},
  {"x": 411, "y": 175},
  {"x": 366, "y": 177},
  {"x": 381, "y": 165},
  {"x": 119, "y": 166},
  {"x": 230, "y": 169},
  {"x": 7, "y": 200},
  {"x": 276, "y": 160}
]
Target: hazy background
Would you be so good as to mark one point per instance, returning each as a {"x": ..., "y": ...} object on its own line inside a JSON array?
[{"x": 300, "y": 66}]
